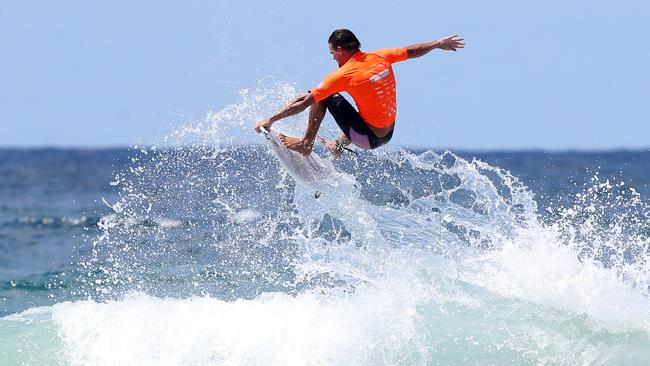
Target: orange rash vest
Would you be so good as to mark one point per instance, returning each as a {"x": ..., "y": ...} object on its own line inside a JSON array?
[{"x": 368, "y": 77}]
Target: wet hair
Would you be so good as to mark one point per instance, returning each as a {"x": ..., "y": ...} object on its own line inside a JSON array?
[{"x": 345, "y": 39}]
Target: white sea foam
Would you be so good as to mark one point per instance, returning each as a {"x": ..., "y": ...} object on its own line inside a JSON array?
[{"x": 275, "y": 329}]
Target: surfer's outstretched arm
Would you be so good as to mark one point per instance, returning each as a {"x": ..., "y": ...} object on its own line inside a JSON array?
[
  {"x": 450, "y": 43},
  {"x": 294, "y": 107}
]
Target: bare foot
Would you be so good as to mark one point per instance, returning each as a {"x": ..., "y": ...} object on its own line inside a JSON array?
[
  {"x": 330, "y": 145},
  {"x": 297, "y": 144}
]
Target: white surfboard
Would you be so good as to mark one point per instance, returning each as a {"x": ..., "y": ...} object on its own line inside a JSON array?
[{"x": 312, "y": 171}]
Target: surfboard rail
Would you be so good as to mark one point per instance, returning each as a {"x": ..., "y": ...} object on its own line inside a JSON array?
[{"x": 313, "y": 171}]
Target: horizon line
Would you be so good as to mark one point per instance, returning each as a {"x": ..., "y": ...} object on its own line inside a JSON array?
[{"x": 408, "y": 147}]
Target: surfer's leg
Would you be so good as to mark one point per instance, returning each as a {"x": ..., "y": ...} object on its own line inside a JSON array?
[
  {"x": 342, "y": 111},
  {"x": 350, "y": 122},
  {"x": 354, "y": 128},
  {"x": 306, "y": 144}
]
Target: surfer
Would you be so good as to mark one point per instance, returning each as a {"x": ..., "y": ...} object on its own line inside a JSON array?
[{"x": 368, "y": 78}]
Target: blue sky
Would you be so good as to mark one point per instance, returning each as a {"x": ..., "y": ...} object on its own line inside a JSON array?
[{"x": 535, "y": 74}]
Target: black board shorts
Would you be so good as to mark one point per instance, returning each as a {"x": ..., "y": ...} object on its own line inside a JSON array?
[{"x": 352, "y": 125}]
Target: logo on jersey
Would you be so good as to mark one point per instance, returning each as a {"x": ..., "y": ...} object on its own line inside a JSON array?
[{"x": 381, "y": 75}]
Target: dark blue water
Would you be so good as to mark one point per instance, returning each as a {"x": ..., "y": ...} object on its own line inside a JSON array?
[{"x": 49, "y": 202}]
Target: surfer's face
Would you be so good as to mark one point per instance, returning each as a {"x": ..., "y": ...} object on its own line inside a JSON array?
[{"x": 338, "y": 54}]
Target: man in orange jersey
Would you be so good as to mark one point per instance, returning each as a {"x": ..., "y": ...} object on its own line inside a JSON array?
[{"x": 368, "y": 78}]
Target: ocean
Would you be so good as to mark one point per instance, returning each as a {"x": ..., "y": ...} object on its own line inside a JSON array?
[{"x": 202, "y": 251}]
